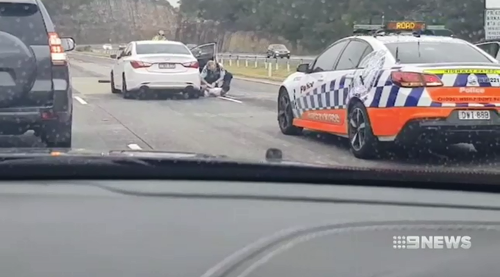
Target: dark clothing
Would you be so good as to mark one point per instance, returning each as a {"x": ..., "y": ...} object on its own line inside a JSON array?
[
  {"x": 226, "y": 83},
  {"x": 213, "y": 76}
]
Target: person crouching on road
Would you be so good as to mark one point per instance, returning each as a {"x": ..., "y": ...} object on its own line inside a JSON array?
[{"x": 214, "y": 76}]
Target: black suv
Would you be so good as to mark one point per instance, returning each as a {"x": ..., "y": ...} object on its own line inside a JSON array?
[{"x": 35, "y": 87}]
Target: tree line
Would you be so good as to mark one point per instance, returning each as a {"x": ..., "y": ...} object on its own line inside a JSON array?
[{"x": 314, "y": 23}]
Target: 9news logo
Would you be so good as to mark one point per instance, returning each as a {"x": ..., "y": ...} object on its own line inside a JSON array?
[{"x": 432, "y": 242}]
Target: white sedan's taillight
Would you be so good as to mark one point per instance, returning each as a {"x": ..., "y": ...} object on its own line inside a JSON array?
[
  {"x": 139, "y": 64},
  {"x": 191, "y": 65}
]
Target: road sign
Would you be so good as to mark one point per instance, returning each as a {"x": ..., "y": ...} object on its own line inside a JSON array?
[
  {"x": 492, "y": 24},
  {"x": 492, "y": 4}
]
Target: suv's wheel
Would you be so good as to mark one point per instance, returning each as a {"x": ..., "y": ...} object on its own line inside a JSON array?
[
  {"x": 363, "y": 144},
  {"x": 285, "y": 115},
  {"x": 113, "y": 89},
  {"x": 57, "y": 134},
  {"x": 126, "y": 93}
]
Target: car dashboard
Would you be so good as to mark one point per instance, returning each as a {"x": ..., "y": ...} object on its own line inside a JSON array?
[{"x": 239, "y": 229}]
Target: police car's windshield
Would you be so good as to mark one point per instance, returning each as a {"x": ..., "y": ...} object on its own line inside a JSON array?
[
  {"x": 435, "y": 52},
  {"x": 162, "y": 48}
]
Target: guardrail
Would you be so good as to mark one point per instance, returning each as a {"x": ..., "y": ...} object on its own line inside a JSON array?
[
  {"x": 271, "y": 67},
  {"x": 258, "y": 65}
]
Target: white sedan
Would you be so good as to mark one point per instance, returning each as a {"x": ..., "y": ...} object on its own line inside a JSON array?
[{"x": 158, "y": 66}]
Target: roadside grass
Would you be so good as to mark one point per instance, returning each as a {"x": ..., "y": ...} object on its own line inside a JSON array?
[{"x": 260, "y": 72}]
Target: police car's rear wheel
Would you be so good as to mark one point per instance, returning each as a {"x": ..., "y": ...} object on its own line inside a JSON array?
[
  {"x": 285, "y": 115},
  {"x": 363, "y": 143}
]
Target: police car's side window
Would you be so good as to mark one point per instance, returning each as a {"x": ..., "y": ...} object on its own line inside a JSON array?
[
  {"x": 352, "y": 55},
  {"x": 326, "y": 61},
  {"x": 490, "y": 48}
]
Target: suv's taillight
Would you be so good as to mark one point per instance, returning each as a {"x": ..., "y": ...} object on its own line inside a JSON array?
[
  {"x": 57, "y": 53},
  {"x": 139, "y": 64},
  {"x": 191, "y": 65},
  {"x": 415, "y": 79}
]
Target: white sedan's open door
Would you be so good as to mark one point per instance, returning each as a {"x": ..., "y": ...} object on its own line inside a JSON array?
[{"x": 205, "y": 53}]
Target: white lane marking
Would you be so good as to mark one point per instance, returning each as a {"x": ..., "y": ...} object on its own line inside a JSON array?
[
  {"x": 230, "y": 99},
  {"x": 79, "y": 99},
  {"x": 134, "y": 147}
]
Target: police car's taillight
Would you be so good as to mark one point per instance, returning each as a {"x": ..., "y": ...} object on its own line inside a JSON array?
[
  {"x": 415, "y": 79},
  {"x": 139, "y": 64},
  {"x": 432, "y": 80},
  {"x": 57, "y": 53},
  {"x": 191, "y": 65}
]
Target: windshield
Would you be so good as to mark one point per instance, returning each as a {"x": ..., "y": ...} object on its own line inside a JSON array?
[
  {"x": 435, "y": 52},
  {"x": 236, "y": 78},
  {"x": 278, "y": 83}
]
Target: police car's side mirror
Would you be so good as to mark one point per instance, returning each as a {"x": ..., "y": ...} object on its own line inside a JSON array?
[{"x": 304, "y": 68}]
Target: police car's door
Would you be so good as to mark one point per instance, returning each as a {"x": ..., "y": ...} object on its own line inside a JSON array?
[
  {"x": 318, "y": 74},
  {"x": 331, "y": 87},
  {"x": 346, "y": 66},
  {"x": 204, "y": 53}
]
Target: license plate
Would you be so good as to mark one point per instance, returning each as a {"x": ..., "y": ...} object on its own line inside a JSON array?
[
  {"x": 474, "y": 115},
  {"x": 166, "y": 65}
]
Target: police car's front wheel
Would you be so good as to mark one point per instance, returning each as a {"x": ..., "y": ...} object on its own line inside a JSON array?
[
  {"x": 363, "y": 144},
  {"x": 285, "y": 115}
]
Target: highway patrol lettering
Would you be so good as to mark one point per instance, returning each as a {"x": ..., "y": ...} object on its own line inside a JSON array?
[
  {"x": 464, "y": 71},
  {"x": 331, "y": 118}
]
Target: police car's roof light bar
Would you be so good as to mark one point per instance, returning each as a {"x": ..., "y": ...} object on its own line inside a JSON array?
[{"x": 397, "y": 27}]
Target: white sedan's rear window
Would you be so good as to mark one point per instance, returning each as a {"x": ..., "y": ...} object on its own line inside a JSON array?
[{"x": 152, "y": 48}]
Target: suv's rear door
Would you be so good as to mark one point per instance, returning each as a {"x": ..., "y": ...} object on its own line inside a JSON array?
[{"x": 25, "y": 59}]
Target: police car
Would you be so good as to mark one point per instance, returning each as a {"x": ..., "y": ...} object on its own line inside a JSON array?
[{"x": 400, "y": 84}]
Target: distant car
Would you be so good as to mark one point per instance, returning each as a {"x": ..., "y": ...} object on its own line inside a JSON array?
[
  {"x": 277, "y": 51},
  {"x": 107, "y": 47},
  {"x": 155, "y": 66},
  {"x": 35, "y": 91}
]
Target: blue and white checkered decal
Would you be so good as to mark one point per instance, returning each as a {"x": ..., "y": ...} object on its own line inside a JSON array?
[
  {"x": 329, "y": 96},
  {"x": 383, "y": 94}
]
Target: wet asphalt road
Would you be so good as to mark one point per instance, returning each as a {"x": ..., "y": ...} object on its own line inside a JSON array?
[{"x": 243, "y": 126}]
